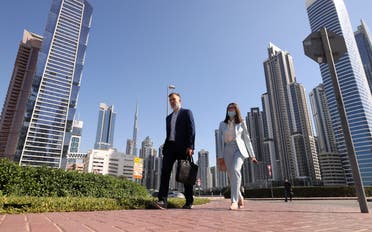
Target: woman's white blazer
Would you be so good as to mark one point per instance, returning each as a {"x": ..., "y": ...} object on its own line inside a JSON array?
[{"x": 242, "y": 139}]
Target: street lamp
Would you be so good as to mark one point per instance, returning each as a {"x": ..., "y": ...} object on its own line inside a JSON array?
[
  {"x": 325, "y": 46},
  {"x": 168, "y": 88}
]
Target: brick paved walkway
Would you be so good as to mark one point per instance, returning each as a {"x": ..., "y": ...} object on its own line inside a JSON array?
[{"x": 257, "y": 216}]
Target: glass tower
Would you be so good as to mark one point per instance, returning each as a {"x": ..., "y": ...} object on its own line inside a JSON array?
[
  {"x": 364, "y": 42},
  {"x": 322, "y": 119},
  {"x": 51, "y": 106},
  {"x": 290, "y": 122},
  {"x": 77, "y": 128},
  {"x": 329, "y": 159},
  {"x": 333, "y": 15},
  {"x": 105, "y": 127}
]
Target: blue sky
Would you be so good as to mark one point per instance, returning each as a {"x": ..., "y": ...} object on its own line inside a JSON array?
[{"x": 211, "y": 50}]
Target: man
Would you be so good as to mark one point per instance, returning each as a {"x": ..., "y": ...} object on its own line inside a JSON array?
[
  {"x": 178, "y": 144},
  {"x": 287, "y": 190}
]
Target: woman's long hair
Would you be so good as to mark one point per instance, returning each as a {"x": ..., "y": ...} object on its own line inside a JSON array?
[{"x": 238, "y": 117}]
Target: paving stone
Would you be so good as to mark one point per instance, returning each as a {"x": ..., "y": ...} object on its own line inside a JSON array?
[{"x": 260, "y": 216}]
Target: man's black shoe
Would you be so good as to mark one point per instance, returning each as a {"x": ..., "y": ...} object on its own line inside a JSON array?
[
  {"x": 160, "y": 205},
  {"x": 187, "y": 207}
]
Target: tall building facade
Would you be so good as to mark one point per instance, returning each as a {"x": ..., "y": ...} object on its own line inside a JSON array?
[
  {"x": 51, "y": 104},
  {"x": 356, "y": 94},
  {"x": 364, "y": 43},
  {"x": 75, "y": 141},
  {"x": 252, "y": 173},
  {"x": 269, "y": 142},
  {"x": 149, "y": 155},
  {"x": 75, "y": 159},
  {"x": 105, "y": 127},
  {"x": 204, "y": 172},
  {"x": 303, "y": 140},
  {"x": 214, "y": 176},
  {"x": 129, "y": 148},
  {"x": 19, "y": 89},
  {"x": 135, "y": 131},
  {"x": 293, "y": 138},
  {"x": 222, "y": 178},
  {"x": 329, "y": 159},
  {"x": 322, "y": 119}
]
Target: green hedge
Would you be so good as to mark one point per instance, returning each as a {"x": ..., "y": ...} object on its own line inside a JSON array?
[
  {"x": 16, "y": 180},
  {"x": 12, "y": 205},
  {"x": 34, "y": 190},
  {"x": 316, "y": 191}
]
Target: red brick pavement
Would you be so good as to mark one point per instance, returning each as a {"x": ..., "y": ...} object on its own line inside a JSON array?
[{"x": 263, "y": 216}]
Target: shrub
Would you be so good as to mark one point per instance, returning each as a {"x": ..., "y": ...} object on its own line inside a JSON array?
[
  {"x": 12, "y": 205},
  {"x": 16, "y": 180},
  {"x": 42, "y": 189}
]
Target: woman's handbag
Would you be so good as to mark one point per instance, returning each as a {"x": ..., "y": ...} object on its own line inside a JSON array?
[{"x": 187, "y": 171}]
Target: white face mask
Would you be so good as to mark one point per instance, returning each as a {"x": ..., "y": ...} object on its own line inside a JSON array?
[{"x": 231, "y": 114}]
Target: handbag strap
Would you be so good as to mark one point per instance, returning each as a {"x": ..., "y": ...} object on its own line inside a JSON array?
[{"x": 190, "y": 158}]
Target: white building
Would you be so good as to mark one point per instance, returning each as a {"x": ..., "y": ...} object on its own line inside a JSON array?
[{"x": 110, "y": 162}]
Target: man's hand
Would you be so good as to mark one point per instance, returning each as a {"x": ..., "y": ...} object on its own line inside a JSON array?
[
  {"x": 189, "y": 151},
  {"x": 254, "y": 160}
]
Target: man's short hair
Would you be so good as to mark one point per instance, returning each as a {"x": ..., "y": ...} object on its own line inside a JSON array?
[{"x": 171, "y": 94}]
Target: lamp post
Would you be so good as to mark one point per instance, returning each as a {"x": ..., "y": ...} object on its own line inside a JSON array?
[
  {"x": 167, "y": 104},
  {"x": 325, "y": 46}
]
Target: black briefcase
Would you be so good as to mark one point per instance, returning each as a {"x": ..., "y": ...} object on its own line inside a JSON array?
[{"x": 187, "y": 171}]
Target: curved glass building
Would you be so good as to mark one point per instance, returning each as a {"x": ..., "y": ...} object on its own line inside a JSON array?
[{"x": 333, "y": 15}]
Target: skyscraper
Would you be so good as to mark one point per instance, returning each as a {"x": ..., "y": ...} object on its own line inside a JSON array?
[
  {"x": 51, "y": 105},
  {"x": 252, "y": 173},
  {"x": 303, "y": 141},
  {"x": 129, "y": 148},
  {"x": 222, "y": 179},
  {"x": 105, "y": 127},
  {"x": 322, "y": 119},
  {"x": 290, "y": 123},
  {"x": 214, "y": 176},
  {"x": 204, "y": 172},
  {"x": 364, "y": 43},
  {"x": 269, "y": 142},
  {"x": 135, "y": 132},
  {"x": 77, "y": 128},
  {"x": 329, "y": 159},
  {"x": 356, "y": 94},
  {"x": 149, "y": 154},
  {"x": 11, "y": 118},
  {"x": 75, "y": 158}
]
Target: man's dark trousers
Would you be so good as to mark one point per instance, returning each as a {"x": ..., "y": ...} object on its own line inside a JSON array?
[{"x": 169, "y": 158}]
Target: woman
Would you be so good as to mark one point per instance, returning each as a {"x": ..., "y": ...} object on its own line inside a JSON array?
[{"x": 236, "y": 146}]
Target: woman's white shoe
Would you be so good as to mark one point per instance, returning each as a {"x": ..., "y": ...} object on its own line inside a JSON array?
[{"x": 234, "y": 206}]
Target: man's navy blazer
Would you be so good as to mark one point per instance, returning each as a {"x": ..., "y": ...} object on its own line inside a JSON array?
[{"x": 185, "y": 132}]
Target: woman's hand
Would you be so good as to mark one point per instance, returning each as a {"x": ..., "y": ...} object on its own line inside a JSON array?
[
  {"x": 254, "y": 160},
  {"x": 221, "y": 164},
  {"x": 189, "y": 151}
]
